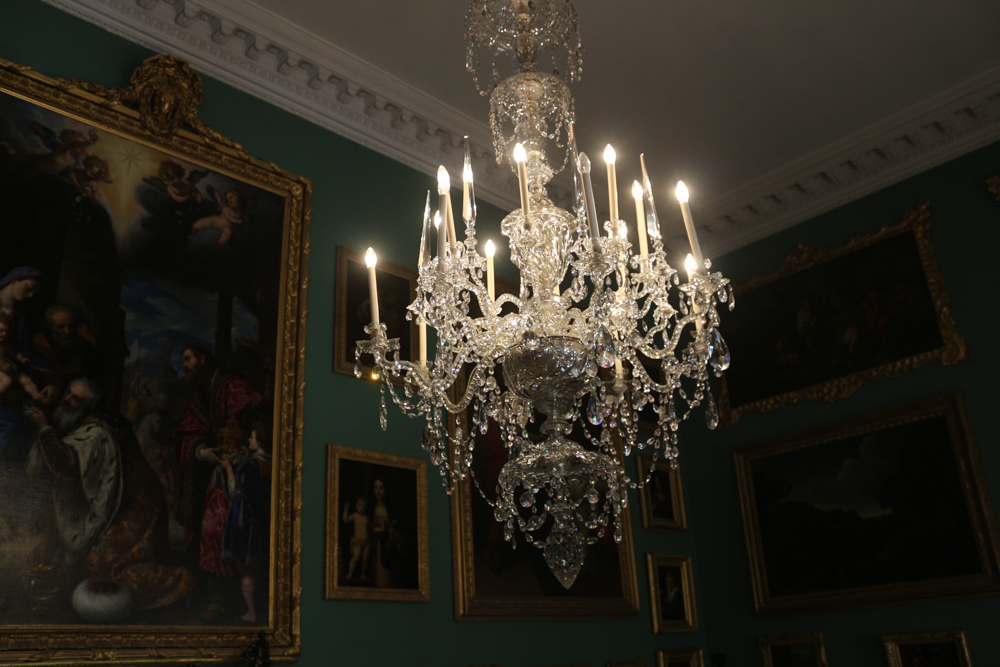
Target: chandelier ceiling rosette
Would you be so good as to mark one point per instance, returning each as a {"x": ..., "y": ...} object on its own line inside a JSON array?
[{"x": 598, "y": 332}]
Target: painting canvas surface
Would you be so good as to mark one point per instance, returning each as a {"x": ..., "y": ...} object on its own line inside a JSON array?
[
  {"x": 880, "y": 508},
  {"x": 137, "y": 253},
  {"x": 379, "y": 539}
]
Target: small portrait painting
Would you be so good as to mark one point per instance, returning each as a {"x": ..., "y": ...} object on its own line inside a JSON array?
[
  {"x": 661, "y": 495},
  {"x": 376, "y": 526},
  {"x": 672, "y": 593}
]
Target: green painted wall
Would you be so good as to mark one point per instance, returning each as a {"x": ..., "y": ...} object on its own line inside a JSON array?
[
  {"x": 966, "y": 236},
  {"x": 362, "y": 198}
]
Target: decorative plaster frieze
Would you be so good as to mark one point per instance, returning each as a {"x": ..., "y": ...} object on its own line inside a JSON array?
[
  {"x": 939, "y": 129},
  {"x": 264, "y": 55}
]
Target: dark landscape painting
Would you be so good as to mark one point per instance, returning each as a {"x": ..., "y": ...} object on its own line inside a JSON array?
[{"x": 869, "y": 511}]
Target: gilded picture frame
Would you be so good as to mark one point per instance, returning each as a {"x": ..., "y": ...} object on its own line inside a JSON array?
[
  {"x": 830, "y": 320},
  {"x": 493, "y": 581},
  {"x": 661, "y": 498},
  {"x": 793, "y": 650},
  {"x": 817, "y": 543},
  {"x": 685, "y": 657},
  {"x": 625, "y": 663},
  {"x": 671, "y": 594},
  {"x": 947, "y": 648},
  {"x": 377, "y": 544},
  {"x": 397, "y": 288},
  {"x": 151, "y": 192}
]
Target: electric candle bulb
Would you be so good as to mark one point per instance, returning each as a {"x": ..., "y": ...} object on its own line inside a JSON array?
[
  {"x": 690, "y": 263},
  {"x": 370, "y": 261},
  {"x": 609, "y": 158},
  {"x": 681, "y": 192},
  {"x": 519, "y": 153},
  {"x": 444, "y": 180}
]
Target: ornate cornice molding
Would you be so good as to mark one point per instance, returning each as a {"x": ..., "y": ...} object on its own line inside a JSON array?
[
  {"x": 260, "y": 53},
  {"x": 268, "y": 57},
  {"x": 926, "y": 135}
]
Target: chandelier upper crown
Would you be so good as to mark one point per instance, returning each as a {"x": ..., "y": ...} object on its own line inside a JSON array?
[{"x": 526, "y": 35}]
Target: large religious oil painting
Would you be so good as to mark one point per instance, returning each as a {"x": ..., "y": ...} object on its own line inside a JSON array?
[
  {"x": 152, "y": 300},
  {"x": 886, "y": 509},
  {"x": 830, "y": 320}
]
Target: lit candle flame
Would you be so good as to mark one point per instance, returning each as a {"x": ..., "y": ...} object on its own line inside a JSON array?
[
  {"x": 636, "y": 190},
  {"x": 609, "y": 155},
  {"x": 519, "y": 154},
  {"x": 682, "y": 192},
  {"x": 690, "y": 263},
  {"x": 437, "y": 220},
  {"x": 490, "y": 249},
  {"x": 370, "y": 258},
  {"x": 444, "y": 180}
]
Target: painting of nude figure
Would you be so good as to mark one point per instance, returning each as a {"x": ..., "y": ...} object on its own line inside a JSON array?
[{"x": 144, "y": 431}]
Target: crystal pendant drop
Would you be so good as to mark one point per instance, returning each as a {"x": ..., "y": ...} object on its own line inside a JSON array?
[
  {"x": 595, "y": 411},
  {"x": 605, "y": 349},
  {"x": 719, "y": 352},
  {"x": 711, "y": 411},
  {"x": 383, "y": 414},
  {"x": 564, "y": 554},
  {"x": 359, "y": 370}
]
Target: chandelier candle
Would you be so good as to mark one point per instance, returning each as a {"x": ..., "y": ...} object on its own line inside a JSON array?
[
  {"x": 536, "y": 366},
  {"x": 522, "y": 181},
  {"x": 609, "y": 158},
  {"x": 640, "y": 222},
  {"x": 444, "y": 204},
  {"x": 682, "y": 197},
  {"x": 370, "y": 261}
]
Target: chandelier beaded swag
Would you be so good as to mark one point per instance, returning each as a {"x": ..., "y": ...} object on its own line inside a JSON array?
[{"x": 598, "y": 332}]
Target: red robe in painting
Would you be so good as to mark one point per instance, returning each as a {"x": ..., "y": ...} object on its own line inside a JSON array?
[{"x": 211, "y": 406}]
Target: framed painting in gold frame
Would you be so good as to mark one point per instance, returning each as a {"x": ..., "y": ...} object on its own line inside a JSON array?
[
  {"x": 671, "y": 593},
  {"x": 493, "y": 580},
  {"x": 159, "y": 247},
  {"x": 947, "y": 649},
  {"x": 827, "y": 513},
  {"x": 685, "y": 657},
  {"x": 830, "y": 320},
  {"x": 397, "y": 288},
  {"x": 662, "y": 498},
  {"x": 376, "y": 527},
  {"x": 803, "y": 650}
]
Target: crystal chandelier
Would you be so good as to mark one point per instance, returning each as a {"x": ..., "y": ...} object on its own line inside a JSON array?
[{"x": 598, "y": 332}]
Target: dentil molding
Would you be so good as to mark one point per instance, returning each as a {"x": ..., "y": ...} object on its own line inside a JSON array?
[{"x": 260, "y": 53}]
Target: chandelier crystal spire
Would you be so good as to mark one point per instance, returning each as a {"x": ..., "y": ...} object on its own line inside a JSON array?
[{"x": 597, "y": 333}]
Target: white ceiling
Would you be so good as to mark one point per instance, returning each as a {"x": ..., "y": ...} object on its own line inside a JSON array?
[{"x": 770, "y": 111}]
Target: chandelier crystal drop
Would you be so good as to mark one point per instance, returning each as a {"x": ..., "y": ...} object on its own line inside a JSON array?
[{"x": 598, "y": 332}]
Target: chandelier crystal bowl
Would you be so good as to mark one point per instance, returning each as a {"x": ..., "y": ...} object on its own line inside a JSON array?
[{"x": 598, "y": 332}]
